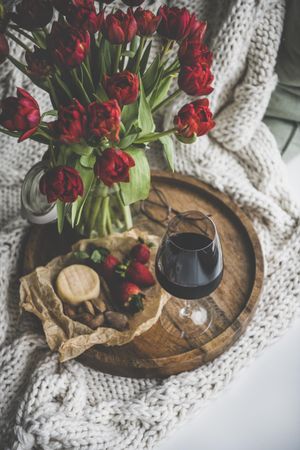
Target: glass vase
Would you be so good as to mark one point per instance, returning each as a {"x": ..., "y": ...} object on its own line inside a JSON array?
[{"x": 103, "y": 212}]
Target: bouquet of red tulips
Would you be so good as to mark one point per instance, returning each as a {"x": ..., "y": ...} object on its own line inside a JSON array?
[{"x": 104, "y": 88}]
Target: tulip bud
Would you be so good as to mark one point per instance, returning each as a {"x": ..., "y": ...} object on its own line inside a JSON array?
[
  {"x": 32, "y": 14},
  {"x": 113, "y": 166},
  {"x": 196, "y": 80},
  {"x": 39, "y": 64},
  {"x": 67, "y": 45},
  {"x": 194, "y": 119},
  {"x": 70, "y": 126},
  {"x": 4, "y": 49},
  {"x": 147, "y": 22},
  {"x": 82, "y": 14},
  {"x": 123, "y": 86},
  {"x": 21, "y": 113},
  {"x": 104, "y": 120},
  {"x": 191, "y": 52},
  {"x": 120, "y": 27},
  {"x": 175, "y": 23},
  {"x": 61, "y": 183}
]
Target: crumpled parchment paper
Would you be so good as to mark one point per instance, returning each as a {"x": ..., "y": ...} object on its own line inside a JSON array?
[{"x": 71, "y": 338}]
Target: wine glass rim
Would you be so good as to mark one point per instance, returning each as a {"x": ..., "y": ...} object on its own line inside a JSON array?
[{"x": 185, "y": 213}]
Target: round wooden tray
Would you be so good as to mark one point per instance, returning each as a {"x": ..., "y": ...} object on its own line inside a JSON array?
[{"x": 156, "y": 353}]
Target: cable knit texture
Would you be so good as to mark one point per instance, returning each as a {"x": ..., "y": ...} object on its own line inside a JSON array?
[{"x": 48, "y": 406}]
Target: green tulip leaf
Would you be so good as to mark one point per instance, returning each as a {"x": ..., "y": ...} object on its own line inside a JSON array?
[
  {"x": 139, "y": 185},
  {"x": 161, "y": 92},
  {"x": 145, "y": 58},
  {"x": 88, "y": 161},
  {"x": 130, "y": 114},
  {"x": 150, "y": 76},
  {"x": 168, "y": 147},
  {"x": 127, "y": 140},
  {"x": 87, "y": 176},
  {"x": 101, "y": 94},
  {"x": 80, "y": 149},
  {"x": 145, "y": 119}
]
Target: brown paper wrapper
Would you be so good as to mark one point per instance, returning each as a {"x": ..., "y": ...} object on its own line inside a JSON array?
[{"x": 71, "y": 338}]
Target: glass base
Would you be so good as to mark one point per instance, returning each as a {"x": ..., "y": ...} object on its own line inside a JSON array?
[{"x": 186, "y": 318}]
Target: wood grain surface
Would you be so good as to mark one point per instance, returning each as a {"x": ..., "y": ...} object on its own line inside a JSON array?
[{"x": 157, "y": 353}]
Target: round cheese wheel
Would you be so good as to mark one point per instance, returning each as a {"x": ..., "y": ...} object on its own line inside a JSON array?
[{"x": 77, "y": 283}]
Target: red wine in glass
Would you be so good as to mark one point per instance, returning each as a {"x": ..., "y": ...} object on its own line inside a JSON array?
[{"x": 189, "y": 266}]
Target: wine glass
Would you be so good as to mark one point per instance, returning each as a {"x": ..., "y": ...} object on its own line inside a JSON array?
[{"x": 189, "y": 266}]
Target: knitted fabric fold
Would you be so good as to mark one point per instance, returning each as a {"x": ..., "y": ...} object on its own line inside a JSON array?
[{"x": 48, "y": 406}]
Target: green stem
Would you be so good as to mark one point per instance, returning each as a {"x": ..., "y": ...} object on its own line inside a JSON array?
[
  {"x": 17, "y": 40},
  {"x": 63, "y": 86},
  {"x": 154, "y": 136},
  {"x": 103, "y": 218},
  {"x": 167, "y": 100},
  {"x": 166, "y": 48},
  {"x": 19, "y": 30},
  {"x": 52, "y": 154},
  {"x": 40, "y": 38},
  {"x": 53, "y": 95},
  {"x": 87, "y": 71},
  {"x": 109, "y": 222},
  {"x": 117, "y": 58},
  {"x": 83, "y": 95},
  {"x": 126, "y": 211},
  {"x": 95, "y": 212},
  {"x": 139, "y": 55}
]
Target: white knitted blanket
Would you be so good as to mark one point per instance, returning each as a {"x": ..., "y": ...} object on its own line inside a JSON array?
[{"x": 47, "y": 406}]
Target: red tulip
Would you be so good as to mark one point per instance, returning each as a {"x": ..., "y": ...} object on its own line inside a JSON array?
[
  {"x": 21, "y": 113},
  {"x": 61, "y": 183},
  {"x": 197, "y": 31},
  {"x": 104, "y": 120},
  {"x": 4, "y": 48},
  {"x": 38, "y": 63},
  {"x": 32, "y": 14},
  {"x": 113, "y": 166},
  {"x": 147, "y": 22},
  {"x": 120, "y": 27},
  {"x": 133, "y": 2},
  {"x": 70, "y": 126},
  {"x": 123, "y": 86},
  {"x": 67, "y": 45},
  {"x": 82, "y": 14},
  {"x": 194, "y": 119},
  {"x": 175, "y": 23},
  {"x": 191, "y": 52},
  {"x": 196, "y": 80}
]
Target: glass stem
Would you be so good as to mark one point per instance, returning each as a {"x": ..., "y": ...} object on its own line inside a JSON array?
[{"x": 186, "y": 310}]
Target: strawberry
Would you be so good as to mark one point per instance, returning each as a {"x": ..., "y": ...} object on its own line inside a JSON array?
[
  {"x": 107, "y": 268},
  {"x": 131, "y": 297},
  {"x": 139, "y": 274},
  {"x": 107, "y": 262},
  {"x": 141, "y": 252}
]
